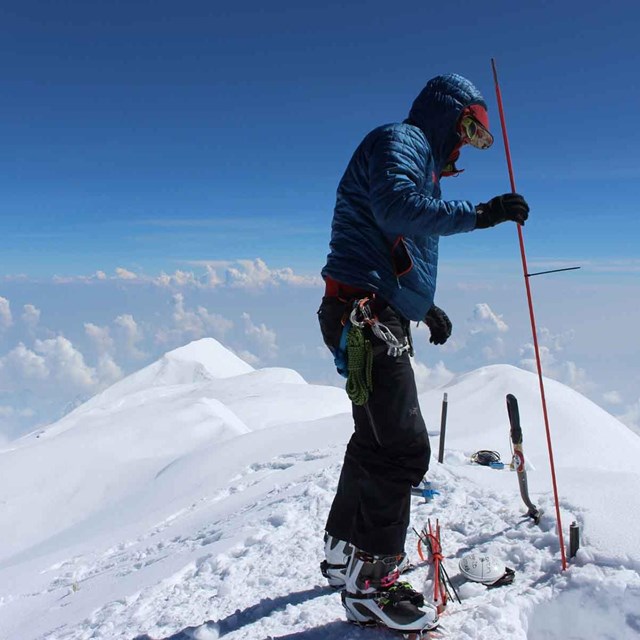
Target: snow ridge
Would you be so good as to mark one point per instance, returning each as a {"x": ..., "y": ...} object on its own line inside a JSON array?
[{"x": 188, "y": 501}]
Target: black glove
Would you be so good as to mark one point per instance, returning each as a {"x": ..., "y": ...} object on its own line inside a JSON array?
[
  {"x": 439, "y": 325},
  {"x": 509, "y": 206}
]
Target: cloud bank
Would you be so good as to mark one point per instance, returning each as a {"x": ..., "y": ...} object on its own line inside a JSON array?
[
  {"x": 240, "y": 274},
  {"x": 75, "y": 336}
]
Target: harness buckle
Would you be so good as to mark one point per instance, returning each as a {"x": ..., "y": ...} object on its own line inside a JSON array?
[{"x": 361, "y": 315}]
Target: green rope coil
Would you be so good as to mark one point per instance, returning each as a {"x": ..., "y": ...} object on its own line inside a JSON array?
[{"x": 359, "y": 366}]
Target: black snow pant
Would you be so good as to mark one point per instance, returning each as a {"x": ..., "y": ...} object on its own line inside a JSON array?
[{"x": 389, "y": 450}]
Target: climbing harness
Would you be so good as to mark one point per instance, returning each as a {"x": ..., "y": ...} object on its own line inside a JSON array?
[
  {"x": 361, "y": 316},
  {"x": 354, "y": 356}
]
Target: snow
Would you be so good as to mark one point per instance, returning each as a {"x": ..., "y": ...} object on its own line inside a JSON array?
[{"x": 188, "y": 501}]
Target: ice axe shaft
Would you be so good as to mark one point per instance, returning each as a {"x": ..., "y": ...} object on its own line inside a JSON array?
[{"x": 518, "y": 457}]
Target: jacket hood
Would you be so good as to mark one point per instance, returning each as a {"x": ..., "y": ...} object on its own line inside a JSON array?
[{"x": 437, "y": 109}]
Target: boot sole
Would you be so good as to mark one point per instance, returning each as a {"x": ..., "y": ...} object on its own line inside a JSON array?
[
  {"x": 363, "y": 620},
  {"x": 423, "y": 634}
]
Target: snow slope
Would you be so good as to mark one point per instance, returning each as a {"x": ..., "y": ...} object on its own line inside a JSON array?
[{"x": 188, "y": 500}]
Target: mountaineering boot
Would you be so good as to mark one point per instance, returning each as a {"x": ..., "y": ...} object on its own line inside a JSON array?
[
  {"x": 337, "y": 553},
  {"x": 373, "y": 595}
]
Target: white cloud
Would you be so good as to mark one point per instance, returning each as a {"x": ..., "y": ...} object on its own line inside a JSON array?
[
  {"x": 54, "y": 370},
  {"x": 631, "y": 416},
  {"x": 21, "y": 365},
  {"x": 427, "y": 379},
  {"x": 255, "y": 274},
  {"x": 557, "y": 342},
  {"x": 528, "y": 357},
  {"x": 196, "y": 312},
  {"x": 612, "y": 397},
  {"x": 6, "y": 412},
  {"x": 486, "y": 329},
  {"x": 96, "y": 277},
  {"x": 6, "y": 319},
  {"x": 249, "y": 358},
  {"x": 238, "y": 274},
  {"x": 485, "y": 320},
  {"x": 484, "y": 337},
  {"x": 576, "y": 377},
  {"x": 178, "y": 279},
  {"x": 11, "y": 412},
  {"x": 65, "y": 363},
  {"x": 38, "y": 383},
  {"x": 212, "y": 279},
  {"x": 186, "y": 321},
  {"x": 191, "y": 324},
  {"x": 209, "y": 280},
  {"x": 100, "y": 336},
  {"x": 131, "y": 335},
  {"x": 53, "y": 367},
  {"x": 123, "y": 274},
  {"x": 550, "y": 347},
  {"x": 108, "y": 370},
  {"x": 30, "y": 316},
  {"x": 263, "y": 338}
]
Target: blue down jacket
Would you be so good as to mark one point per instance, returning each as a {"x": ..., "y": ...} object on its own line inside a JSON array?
[{"x": 389, "y": 215}]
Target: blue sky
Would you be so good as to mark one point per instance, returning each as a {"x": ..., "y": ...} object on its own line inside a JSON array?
[
  {"x": 152, "y": 137},
  {"x": 147, "y": 133}
]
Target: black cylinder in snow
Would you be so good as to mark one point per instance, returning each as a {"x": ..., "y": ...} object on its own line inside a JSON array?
[
  {"x": 443, "y": 428},
  {"x": 574, "y": 539}
]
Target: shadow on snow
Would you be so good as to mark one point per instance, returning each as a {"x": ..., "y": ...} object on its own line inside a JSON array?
[{"x": 337, "y": 630}]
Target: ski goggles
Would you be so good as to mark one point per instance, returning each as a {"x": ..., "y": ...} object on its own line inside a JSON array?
[{"x": 474, "y": 133}]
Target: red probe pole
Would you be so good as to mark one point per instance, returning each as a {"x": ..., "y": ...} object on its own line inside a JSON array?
[{"x": 533, "y": 320}]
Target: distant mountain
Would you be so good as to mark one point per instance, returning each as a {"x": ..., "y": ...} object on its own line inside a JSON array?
[{"x": 112, "y": 446}]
